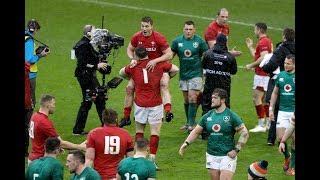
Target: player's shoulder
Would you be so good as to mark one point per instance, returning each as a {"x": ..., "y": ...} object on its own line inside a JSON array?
[
  {"x": 282, "y": 73},
  {"x": 157, "y": 34},
  {"x": 56, "y": 162},
  {"x": 137, "y": 34},
  {"x": 230, "y": 112},
  {"x": 122, "y": 131},
  {"x": 198, "y": 38},
  {"x": 95, "y": 130},
  {"x": 211, "y": 24},
  {"x": 265, "y": 40}
]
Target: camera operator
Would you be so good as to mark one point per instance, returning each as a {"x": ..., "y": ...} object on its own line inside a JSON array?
[
  {"x": 88, "y": 62},
  {"x": 32, "y": 56}
]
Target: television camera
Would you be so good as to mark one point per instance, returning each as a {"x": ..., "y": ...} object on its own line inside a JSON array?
[{"x": 104, "y": 42}]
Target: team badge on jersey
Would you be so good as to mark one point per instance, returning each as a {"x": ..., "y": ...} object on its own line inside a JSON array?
[
  {"x": 216, "y": 127},
  {"x": 152, "y": 43},
  {"x": 180, "y": 44},
  {"x": 195, "y": 44},
  {"x": 226, "y": 118}
]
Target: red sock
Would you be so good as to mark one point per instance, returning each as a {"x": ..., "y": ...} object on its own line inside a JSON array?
[
  {"x": 260, "y": 111},
  {"x": 139, "y": 135},
  {"x": 167, "y": 107},
  {"x": 266, "y": 109},
  {"x": 127, "y": 112},
  {"x": 154, "y": 142}
]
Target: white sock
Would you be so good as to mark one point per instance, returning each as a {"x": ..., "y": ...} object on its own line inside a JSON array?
[
  {"x": 261, "y": 122},
  {"x": 152, "y": 157}
]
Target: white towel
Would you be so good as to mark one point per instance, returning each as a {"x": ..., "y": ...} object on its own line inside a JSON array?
[{"x": 265, "y": 60}]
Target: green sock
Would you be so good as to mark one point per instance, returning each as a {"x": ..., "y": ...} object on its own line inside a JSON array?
[
  {"x": 192, "y": 112},
  {"x": 186, "y": 108},
  {"x": 286, "y": 151},
  {"x": 293, "y": 157}
]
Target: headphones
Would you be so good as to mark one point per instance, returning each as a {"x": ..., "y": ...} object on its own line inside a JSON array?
[
  {"x": 87, "y": 29},
  {"x": 33, "y": 25}
]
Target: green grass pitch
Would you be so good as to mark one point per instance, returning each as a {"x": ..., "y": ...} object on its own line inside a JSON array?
[{"x": 62, "y": 22}]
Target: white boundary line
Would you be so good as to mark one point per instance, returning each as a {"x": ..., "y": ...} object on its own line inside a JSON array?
[{"x": 167, "y": 12}]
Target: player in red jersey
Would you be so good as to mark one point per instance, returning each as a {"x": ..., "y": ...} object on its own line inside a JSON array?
[
  {"x": 148, "y": 105},
  {"x": 41, "y": 127},
  {"x": 108, "y": 145},
  {"x": 261, "y": 78},
  {"x": 27, "y": 106},
  {"x": 158, "y": 50},
  {"x": 220, "y": 25}
]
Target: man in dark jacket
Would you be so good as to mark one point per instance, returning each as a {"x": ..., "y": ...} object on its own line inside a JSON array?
[
  {"x": 287, "y": 46},
  {"x": 219, "y": 65},
  {"x": 88, "y": 62}
]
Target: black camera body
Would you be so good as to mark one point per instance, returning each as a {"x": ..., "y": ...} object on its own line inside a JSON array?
[
  {"x": 41, "y": 48},
  {"x": 114, "y": 40},
  {"x": 104, "y": 41},
  {"x": 101, "y": 91},
  {"x": 107, "y": 70}
]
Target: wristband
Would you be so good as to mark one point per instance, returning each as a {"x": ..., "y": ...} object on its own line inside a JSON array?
[
  {"x": 131, "y": 58},
  {"x": 187, "y": 143},
  {"x": 270, "y": 108}
]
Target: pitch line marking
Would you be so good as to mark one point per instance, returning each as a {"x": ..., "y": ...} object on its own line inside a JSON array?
[{"x": 168, "y": 12}]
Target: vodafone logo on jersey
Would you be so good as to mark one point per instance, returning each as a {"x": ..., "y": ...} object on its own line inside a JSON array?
[
  {"x": 216, "y": 127},
  {"x": 187, "y": 53},
  {"x": 287, "y": 88}
]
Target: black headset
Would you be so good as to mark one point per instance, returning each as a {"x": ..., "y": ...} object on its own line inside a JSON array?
[
  {"x": 33, "y": 25},
  {"x": 87, "y": 29}
]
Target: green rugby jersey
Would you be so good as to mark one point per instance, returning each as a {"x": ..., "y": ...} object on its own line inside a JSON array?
[
  {"x": 286, "y": 84},
  {"x": 132, "y": 168},
  {"x": 87, "y": 174},
  {"x": 221, "y": 130},
  {"x": 189, "y": 52},
  {"x": 44, "y": 168}
]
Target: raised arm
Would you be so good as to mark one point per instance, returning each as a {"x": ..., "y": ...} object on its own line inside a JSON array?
[{"x": 166, "y": 56}]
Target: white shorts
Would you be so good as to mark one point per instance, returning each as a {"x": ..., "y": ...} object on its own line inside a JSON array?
[
  {"x": 260, "y": 81},
  {"x": 221, "y": 162},
  {"x": 153, "y": 115},
  {"x": 284, "y": 119},
  {"x": 191, "y": 84}
]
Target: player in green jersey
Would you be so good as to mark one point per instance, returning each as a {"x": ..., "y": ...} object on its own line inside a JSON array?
[
  {"x": 221, "y": 124},
  {"x": 76, "y": 164},
  {"x": 137, "y": 166},
  {"x": 285, "y": 89},
  {"x": 190, "y": 47},
  {"x": 47, "y": 167}
]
